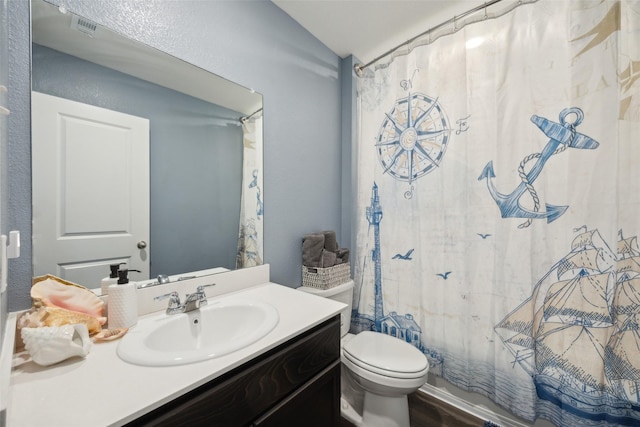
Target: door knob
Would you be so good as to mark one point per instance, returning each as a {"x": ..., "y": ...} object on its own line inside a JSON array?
[{"x": 142, "y": 244}]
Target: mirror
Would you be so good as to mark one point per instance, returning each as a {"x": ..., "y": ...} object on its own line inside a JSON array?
[{"x": 197, "y": 150}]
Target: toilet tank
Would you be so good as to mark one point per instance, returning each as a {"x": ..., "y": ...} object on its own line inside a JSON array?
[{"x": 342, "y": 293}]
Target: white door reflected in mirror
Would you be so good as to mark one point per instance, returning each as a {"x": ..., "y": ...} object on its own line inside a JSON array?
[{"x": 90, "y": 190}]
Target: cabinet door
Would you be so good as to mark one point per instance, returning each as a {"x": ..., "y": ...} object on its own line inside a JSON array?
[{"x": 315, "y": 404}]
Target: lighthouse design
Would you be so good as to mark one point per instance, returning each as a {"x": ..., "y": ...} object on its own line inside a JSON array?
[
  {"x": 374, "y": 216},
  {"x": 399, "y": 326}
]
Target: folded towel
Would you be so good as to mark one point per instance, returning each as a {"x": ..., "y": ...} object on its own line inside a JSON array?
[
  {"x": 312, "y": 247},
  {"x": 330, "y": 242},
  {"x": 342, "y": 255},
  {"x": 328, "y": 258}
]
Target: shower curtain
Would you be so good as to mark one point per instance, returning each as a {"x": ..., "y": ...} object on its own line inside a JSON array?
[
  {"x": 251, "y": 209},
  {"x": 498, "y": 174}
]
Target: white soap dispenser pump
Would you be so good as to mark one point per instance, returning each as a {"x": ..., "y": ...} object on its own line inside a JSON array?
[
  {"x": 111, "y": 279},
  {"x": 122, "y": 307}
]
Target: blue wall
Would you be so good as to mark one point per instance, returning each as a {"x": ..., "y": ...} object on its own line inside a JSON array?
[
  {"x": 195, "y": 155},
  {"x": 253, "y": 43}
]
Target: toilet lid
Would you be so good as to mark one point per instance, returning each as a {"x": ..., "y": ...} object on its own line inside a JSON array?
[{"x": 385, "y": 355}]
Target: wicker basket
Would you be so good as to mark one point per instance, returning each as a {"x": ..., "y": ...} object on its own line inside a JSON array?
[{"x": 326, "y": 278}]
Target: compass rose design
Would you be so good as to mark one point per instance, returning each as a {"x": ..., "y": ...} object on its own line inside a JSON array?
[{"x": 413, "y": 137}]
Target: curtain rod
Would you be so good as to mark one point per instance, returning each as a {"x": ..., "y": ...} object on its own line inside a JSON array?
[
  {"x": 245, "y": 118},
  {"x": 359, "y": 68}
]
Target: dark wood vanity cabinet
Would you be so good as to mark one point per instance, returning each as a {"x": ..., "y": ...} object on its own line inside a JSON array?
[{"x": 294, "y": 384}]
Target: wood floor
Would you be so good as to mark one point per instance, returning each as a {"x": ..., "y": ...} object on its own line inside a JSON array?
[{"x": 426, "y": 411}]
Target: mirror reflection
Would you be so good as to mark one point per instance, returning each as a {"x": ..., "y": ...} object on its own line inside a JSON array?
[{"x": 137, "y": 157}]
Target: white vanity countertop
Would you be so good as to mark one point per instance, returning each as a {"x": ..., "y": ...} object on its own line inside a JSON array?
[{"x": 103, "y": 390}]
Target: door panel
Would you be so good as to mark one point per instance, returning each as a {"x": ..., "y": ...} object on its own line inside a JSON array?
[{"x": 90, "y": 190}]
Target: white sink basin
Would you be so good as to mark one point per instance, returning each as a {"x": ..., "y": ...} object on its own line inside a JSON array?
[{"x": 221, "y": 327}]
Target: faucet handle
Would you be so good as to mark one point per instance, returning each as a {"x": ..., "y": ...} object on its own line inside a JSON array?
[
  {"x": 174, "y": 300},
  {"x": 203, "y": 296}
]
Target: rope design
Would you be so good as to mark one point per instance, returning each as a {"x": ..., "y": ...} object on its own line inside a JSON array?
[
  {"x": 523, "y": 176},
  {"x": 532, "y": 191}
]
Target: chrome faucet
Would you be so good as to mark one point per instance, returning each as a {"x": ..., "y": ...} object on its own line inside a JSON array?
[{"x": 192, "y": 302}]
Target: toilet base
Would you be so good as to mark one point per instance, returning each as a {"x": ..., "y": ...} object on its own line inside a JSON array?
[
  {"x": 385, "y": 411},
  {"x": 379, "y": 411},
  {"x": 347, "y": 412}
]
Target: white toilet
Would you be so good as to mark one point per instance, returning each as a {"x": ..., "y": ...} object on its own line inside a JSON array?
[{"x": 379, "y": 370}]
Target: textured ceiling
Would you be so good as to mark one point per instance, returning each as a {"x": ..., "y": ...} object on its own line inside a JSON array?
[{"x": 368, "y": 28}]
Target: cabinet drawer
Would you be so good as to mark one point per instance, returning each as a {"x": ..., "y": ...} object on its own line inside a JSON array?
[{"x": 242, "y": 395}]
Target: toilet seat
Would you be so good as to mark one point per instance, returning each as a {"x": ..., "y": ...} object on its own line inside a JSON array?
[{"x": 385, "y": 355}]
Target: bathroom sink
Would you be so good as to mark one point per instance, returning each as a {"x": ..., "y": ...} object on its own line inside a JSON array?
[{"x": 219, "y": 328}]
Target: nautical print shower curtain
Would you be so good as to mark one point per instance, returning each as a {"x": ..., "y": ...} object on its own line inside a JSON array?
[
  {"x": 498, "y": 174},
  {"x": 251, "y": 208}
]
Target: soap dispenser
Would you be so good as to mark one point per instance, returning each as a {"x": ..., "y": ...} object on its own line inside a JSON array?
[
  {"x": 111, "y": 279},
  {"x": 122, "y": 307}
]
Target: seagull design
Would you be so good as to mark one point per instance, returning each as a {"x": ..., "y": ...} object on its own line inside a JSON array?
[
  {"x": 445, "y": 276},
  {"x": 484, "y": 236},
  {"x": 406, "y": 257}
]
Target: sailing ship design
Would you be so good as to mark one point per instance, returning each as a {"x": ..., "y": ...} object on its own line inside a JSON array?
[{"x": 577, "y": 335}]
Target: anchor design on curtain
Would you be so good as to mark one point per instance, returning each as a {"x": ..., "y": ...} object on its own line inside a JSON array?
[{"x": 562, "y": 136}]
